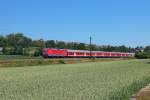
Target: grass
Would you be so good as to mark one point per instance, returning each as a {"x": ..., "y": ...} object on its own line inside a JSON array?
[
  {"x": 113, "y": 80},
  {"x": 11, "y": 57}
]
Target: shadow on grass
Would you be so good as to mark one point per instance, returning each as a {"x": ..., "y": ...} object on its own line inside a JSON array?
[{"x": 148, "y": 62}]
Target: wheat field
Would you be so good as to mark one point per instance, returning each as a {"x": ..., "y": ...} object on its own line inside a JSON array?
[{"x": 113, "y": 80}]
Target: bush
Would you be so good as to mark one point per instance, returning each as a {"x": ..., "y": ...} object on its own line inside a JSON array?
[
  {"x": 61, "y": 62},
  {"x": 143, "y": 55},
  {"x": 9, "y": 50}
]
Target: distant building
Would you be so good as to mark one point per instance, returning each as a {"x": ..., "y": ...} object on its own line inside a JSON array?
[{"x": 1, "y": 50}]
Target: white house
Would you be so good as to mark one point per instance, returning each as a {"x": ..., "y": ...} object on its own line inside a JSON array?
[{"x": 1, "y": 50}]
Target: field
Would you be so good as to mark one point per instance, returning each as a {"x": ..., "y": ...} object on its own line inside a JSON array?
[{"x": 113, "y": 80}]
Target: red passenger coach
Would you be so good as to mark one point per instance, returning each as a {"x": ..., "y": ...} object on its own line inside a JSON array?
[{"x": 49, "y": 52}]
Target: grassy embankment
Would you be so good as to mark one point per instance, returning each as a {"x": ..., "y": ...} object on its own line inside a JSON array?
[
  {"x": 20, "y": 61},
  {"x": 114, "y": 80}
]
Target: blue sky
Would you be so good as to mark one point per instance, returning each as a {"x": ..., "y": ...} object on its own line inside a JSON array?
[{"x": 114, "y": 22}]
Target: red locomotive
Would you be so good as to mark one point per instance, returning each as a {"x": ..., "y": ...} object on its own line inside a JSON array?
[{"x": 52, "y": 53}]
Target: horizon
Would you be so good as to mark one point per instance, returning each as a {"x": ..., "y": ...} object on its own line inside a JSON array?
[{"x": 108, "y": 22}]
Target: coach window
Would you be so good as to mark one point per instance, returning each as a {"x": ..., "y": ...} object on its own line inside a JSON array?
[
  {"x": 99, "y": 53},
  {"x": 70, "y": 53},
  {"x": 87, "y": 53},
  {"x": 77, "y": 53}
]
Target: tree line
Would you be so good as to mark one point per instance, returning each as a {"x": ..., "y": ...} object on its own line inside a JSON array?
[
  {"x": 145, "y": 53},
  {"x": 18, "y": 44}
]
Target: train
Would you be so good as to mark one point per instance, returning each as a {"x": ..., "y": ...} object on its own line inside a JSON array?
[{"x": 68, "y": 53}]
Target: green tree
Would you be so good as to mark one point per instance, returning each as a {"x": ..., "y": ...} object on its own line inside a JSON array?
[
  {"x": 2, "y": 41},
  {"x": 81, "y": 46},
  {"x": 50, "y": 44},
  {"x": 147, "y": 49},
  {"x": 39, "y": 43},
  {"x": 140, "y": 53},
  {"x": 61, "y": 44},
  {"x": 69, "y": 45},
  {"x": 18, "y": 41}
]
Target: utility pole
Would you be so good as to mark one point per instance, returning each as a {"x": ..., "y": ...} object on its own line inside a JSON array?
[{"x": 90, "y": 47}]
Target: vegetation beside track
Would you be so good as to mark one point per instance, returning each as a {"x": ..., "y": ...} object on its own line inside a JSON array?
[
  {"x": 17, "y": 57},
  {"x": 114, "y": 80},
  {"x": 20, "y": 61}
]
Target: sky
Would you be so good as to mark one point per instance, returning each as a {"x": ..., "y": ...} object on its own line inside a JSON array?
[{"x": 109, "y": 22}]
